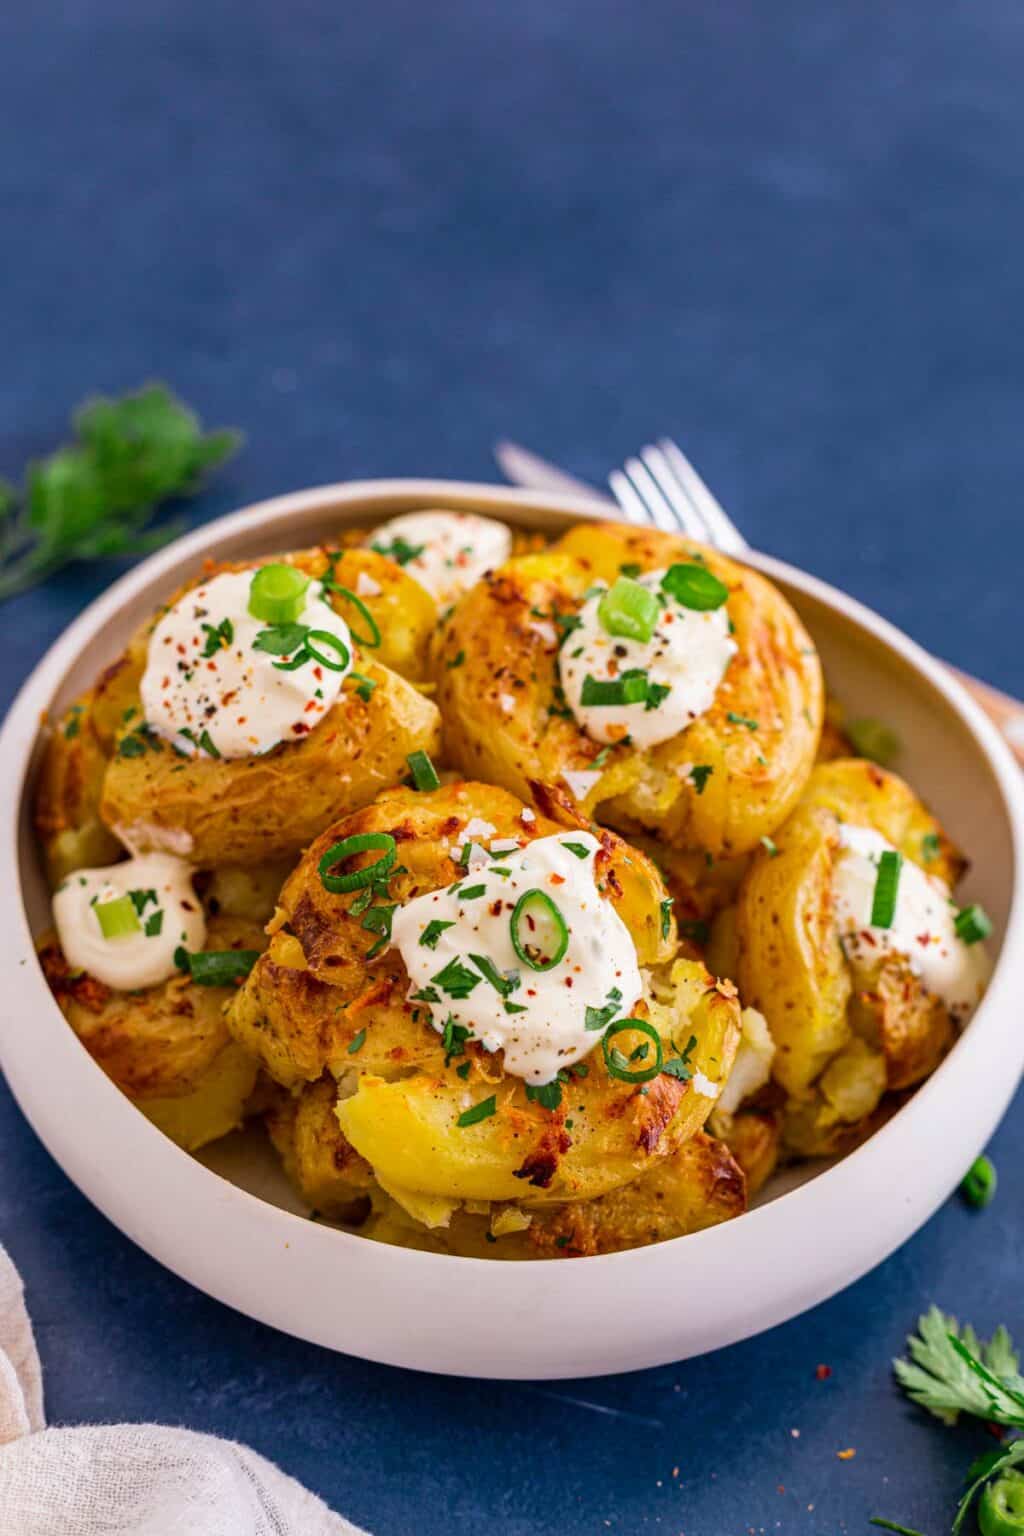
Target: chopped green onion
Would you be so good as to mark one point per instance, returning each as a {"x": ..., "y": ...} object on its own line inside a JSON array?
[
  {"x": 482, "y": 1111},
  {"x": 433, "y": 931},
  {"x": 694, "y": 587},
  {"x": 216, "y": 967},
  {"x": 356, "y": 1043},
  {"x": 277, "y": 594},
  {"x": 540, "y": 936},
  {"x": 631, "y": 688},
  {"x": 665, "y": 908},
  {"x": 871, "y": 739},
  {"x": 972, "y": 924},
  {"x": 208, "y": 745},
  {"x": 324, "y": 637},
  {"x": 979, "y": 1185},
  {"x": 1001, "y": 1510},
  {"x": 887, "y": 883},
  {"x": 118, "y": 917},
  {"x": 618, "y": 1065},
  {"x": 424, "y": 774},
  {"x": 356, "y": 879},
  {"x": 629, "y": 609},
  {"x": 579, "y": 849},
  {"x": 472, "y": 892},
  {"x": 373, "y": 639}
]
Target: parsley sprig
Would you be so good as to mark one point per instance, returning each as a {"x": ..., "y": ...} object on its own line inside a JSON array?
[
  {"x": 951, "y": 1371},
  {"x": 96, "y": 496}
]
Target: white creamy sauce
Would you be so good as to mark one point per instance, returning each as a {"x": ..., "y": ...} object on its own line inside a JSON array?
[
  {"x": 600, "y": 959},
  {"x": 199, "y": 689},
  {"x": 688, "y": 654},
  {"x": 922, "y": 929},
  {"x": 450, "y": 551},
  {"x": 168, "y": 911}
]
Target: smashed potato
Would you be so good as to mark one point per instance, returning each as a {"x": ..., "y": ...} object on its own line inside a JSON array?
[
  {"x": 314, "y": 1002},
  {"x": 506, "y": 720},
  {"x": 167, "y": 1047}
]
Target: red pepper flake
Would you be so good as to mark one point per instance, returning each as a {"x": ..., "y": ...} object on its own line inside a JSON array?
[
  {"x": 556, "y": 879},
  {"x": 846, "y": 1455},
  {"x": 997, "y": 1431},
  {"x": 823, "y": 1372}
]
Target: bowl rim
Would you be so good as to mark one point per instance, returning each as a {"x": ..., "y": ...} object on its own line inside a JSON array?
[{"x": 153, "y": 1156}]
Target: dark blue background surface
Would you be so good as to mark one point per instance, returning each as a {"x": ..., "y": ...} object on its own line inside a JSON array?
[{"x": 377, "y": 236}]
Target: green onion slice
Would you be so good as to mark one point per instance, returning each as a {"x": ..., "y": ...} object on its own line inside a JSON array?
[
  {"x": 277, "y": 594},
  {"x": 216, "y": 967},
  {"x": 540, "y": 935},
  {"x": 979, "y": 1185},
  {"x": 323, "y": 637},
  {"x": 424, "y": 774},
  {"x": 118, "y": 917},
  {"x": 887, "y": 884},
  {"x": 630, "y": 688},
  {"x": 371, "y": 640},
  {"x": 694, "y": 587},
  {"x": 1001, "y": 1510},
  {"x": 629, "y": 609},
  {"x": 972, "y": 924},
  {"x": 618, "y": 1064},
  {"x": 357, "y": 878}
]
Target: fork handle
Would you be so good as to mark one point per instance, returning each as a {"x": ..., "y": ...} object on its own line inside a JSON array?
[{"x": 1006, "y": 714}]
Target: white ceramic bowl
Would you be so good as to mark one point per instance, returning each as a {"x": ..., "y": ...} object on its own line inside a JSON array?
[{"x": 238, "y": 1233}]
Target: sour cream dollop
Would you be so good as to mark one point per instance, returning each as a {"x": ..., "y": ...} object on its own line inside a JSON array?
[
  {"x": 168, "y": 911},
  {"x": 537, "y": 1017},
  {"x": 207, "y": 683},
  {"x": 922, "y": 929},
  {"x": 447, "y": 552},
  {"x": 687, "y": 654}
]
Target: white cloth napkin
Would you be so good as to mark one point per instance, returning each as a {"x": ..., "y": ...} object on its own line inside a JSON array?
[{"x": 129, "y": 1479}]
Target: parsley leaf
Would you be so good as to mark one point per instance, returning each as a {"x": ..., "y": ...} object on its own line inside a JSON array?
[
  {"x": 96, "y": 496},
  {"x": 456, "y": 979},
  {"x": 952, "y": 1371},
  {"x": 433, "y": 931}
]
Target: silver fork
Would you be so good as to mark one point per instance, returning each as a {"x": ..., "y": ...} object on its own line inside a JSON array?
[{"x": 662, "y": 487}]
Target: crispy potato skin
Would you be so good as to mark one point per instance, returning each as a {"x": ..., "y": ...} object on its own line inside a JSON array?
[
  {"x": 511, "y": 655},
  {"x": 790, "y": 965},
  {"x": 248, "y": 811},
  {"x": 314, "y": 995},
  {"x": 328, "y": 1173},
  {"x": 168, "y": 1047},
  {"x": 754, "y": 1140},
  {"x": 698, "y": 1186}
]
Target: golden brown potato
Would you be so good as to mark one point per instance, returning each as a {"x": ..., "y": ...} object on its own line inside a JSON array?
[
  {"x": 328, "y": 1173},
  {"x": 844, "y": 1033},
  {"x": 754, "y": 1141},
  {"x": 167, "y": 1047},
  {"x": 497, "y": 680},
  {"x": 698, "y": 1186},
  {"x": 256, "y": 809},
  {"x": 314, "y": 1002},
  {"x": 68, "y": 793}
]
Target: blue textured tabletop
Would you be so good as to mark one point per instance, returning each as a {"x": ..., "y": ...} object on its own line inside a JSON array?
[{"x": 377, "y": 237}]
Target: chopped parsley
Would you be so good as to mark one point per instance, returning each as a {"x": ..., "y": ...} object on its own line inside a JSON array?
[
  {"x": 456, "y": 979},
  {"x": 357, "y": 1042},
  {"x": 399, "y": 550},
  {"x": 433, "y": 931},
  {"x": 699, "y": 775}
]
